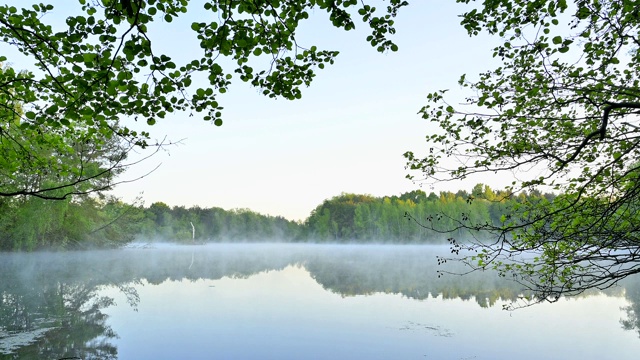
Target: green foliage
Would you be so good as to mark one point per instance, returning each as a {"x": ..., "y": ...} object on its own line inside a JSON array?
[
  {"x": 198, "y": 225},
  {"x": 88, "y": 222},
  {"x": 561, "y": 111},
  {"x": 102, "y": 65},
  {"x": 337, "y": 217},
  {"x": 45, "y": 159},
  {"x": 363, "y": 218},
  {"x": 34, "y": 223}
]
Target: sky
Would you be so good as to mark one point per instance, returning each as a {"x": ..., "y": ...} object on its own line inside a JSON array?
[{"x": 346, "y": 134}]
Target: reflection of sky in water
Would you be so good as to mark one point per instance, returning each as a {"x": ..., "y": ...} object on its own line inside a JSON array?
[{"x": 287, "y": 315}]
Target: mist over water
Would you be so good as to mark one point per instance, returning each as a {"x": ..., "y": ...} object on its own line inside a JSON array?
[{"x": 272, "y": 300}]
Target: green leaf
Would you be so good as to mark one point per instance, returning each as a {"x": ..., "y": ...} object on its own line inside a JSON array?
[
  {"x": 88, "y": 57},
  {"x": 583, "y": 13},
  {"x": 51, "y": 109}
]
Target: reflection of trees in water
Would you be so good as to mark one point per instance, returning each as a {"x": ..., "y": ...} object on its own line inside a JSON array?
[
  {"x": 61, "y": 290},
  {"x": 632, "y": 293},
  {"x": 70, "y": 314},
  {"x": 53, "y": 312},
  {"x": 415, "y": 278},
  {"x": 78, "y": 327},
  {"x": 347, "y": 270}
]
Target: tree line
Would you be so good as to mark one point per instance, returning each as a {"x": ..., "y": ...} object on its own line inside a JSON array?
[
  {"x": 31, "y": 223},
  {"x": 413, "y": 217}
]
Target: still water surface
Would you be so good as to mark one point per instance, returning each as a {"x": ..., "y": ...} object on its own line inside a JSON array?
[{"x": 279, "y": 301}]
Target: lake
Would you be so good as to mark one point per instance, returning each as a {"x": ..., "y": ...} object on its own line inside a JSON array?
[{"x": 292, "y": 301}]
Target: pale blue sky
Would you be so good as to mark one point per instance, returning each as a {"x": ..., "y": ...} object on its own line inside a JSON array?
[{"x": 346, "y": 134}]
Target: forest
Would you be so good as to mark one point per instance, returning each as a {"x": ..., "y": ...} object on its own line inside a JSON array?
[{"x": 91, "y": 221}]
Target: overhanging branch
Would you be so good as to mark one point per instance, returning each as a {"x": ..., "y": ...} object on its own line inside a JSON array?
[{"x": 612, "y": 106}]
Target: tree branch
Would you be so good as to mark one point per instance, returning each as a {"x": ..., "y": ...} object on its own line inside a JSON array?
[{"x": 612, "y": 106}]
